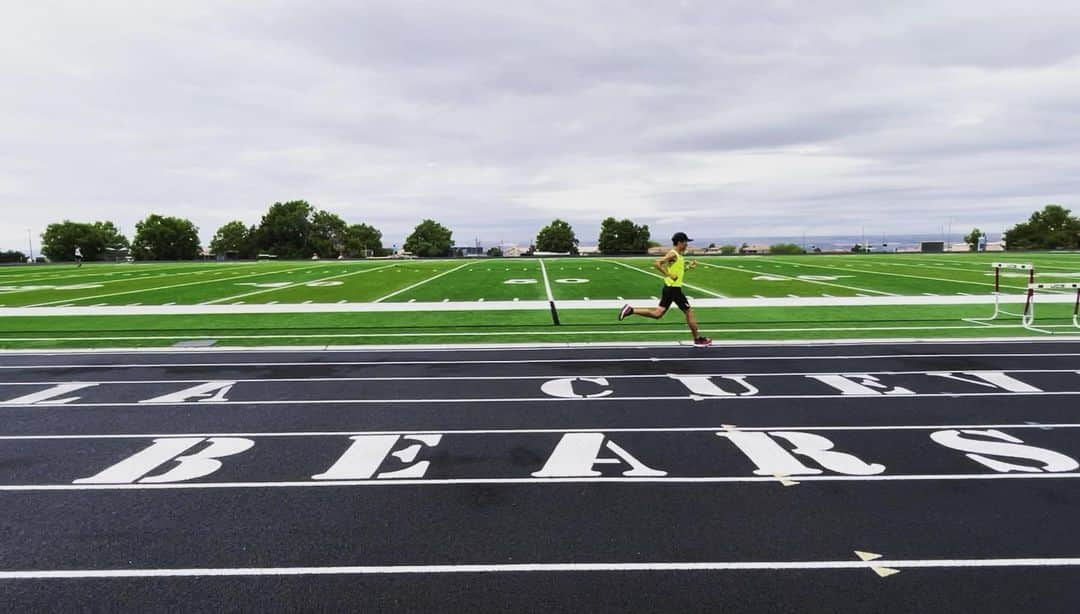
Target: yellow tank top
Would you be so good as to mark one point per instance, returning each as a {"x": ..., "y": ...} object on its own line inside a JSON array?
[{"x": 678, "y": 269}]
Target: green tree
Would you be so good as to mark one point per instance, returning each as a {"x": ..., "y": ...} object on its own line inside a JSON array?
[
  {"x": 12, "y": 256},
  {"x": 285, "y": 230},
  {"x": 557, "y": 236},
  {"x": 233, "y": 237},
  {"x": 59, "y": 240},
  {"x": 623, "y": 237},
  {"x": 495, "y": 252},
  {"x": 327, "y": 234},
  {"x": 165, "y": 238},
  {"x": 1052, "y": 228},
  {"x": 786, "y": 249},
  {"x": 972, "y": 239},
  {"x": 360, "y": 239},
  {"x": 728, "y": 250},
  {"x": 429, "y": 239}
]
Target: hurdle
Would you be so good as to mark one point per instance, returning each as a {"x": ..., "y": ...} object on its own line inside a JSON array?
[
  {"x": 1029, "y": 317},
  {"x": 998, "y": 311}
]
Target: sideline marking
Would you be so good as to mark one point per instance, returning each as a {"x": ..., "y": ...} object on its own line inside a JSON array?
[
  {"x": 634, "y": 268},
  {"x": 537, "y": 568},
  {"x": 420, "y": 283}
]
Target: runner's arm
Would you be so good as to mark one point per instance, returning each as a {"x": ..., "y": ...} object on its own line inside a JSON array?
[{"x": 662, "y": 263}]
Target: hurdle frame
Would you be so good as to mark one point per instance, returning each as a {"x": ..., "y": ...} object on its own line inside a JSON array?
[
  {"x": 998, "y": 311},
  {"x": 1029, "y": 320}
]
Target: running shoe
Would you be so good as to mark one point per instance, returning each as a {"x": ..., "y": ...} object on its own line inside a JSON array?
[
  {"x": 625, "y": 311},
  {"x": 702, "y": 342}
]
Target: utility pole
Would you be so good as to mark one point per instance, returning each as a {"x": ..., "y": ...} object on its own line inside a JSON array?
[{"x": 30, "y": 245}]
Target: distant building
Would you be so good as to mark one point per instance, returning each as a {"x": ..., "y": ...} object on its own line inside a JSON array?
[
  {"x": 588, "y": 250},
  {"x": 514, "y": 251},
  {"x": 754, "y": 249}
]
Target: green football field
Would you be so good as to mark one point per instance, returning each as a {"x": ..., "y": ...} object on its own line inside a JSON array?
[{"x": 505, "y": 300}]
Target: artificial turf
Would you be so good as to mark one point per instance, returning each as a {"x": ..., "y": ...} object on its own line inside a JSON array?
[{"x": 570, "y": 279}]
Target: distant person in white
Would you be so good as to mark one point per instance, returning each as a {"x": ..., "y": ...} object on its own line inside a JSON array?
[{"x": 78, "y": 257}]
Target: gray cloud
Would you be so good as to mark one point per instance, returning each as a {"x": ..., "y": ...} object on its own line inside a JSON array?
[{"x": 730, "y": 117}]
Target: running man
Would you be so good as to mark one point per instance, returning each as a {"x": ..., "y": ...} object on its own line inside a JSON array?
[
  {"x": 673, "y": 266},
  {"x": 78, "y": 256}
]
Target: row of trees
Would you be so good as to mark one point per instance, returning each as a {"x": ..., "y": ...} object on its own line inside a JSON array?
[{"x": 616, "y": 237}]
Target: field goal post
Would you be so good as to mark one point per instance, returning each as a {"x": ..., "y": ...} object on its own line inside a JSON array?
[
  {"x": 1029, "y": 320},
  {"x": 1028, "y": 314}
]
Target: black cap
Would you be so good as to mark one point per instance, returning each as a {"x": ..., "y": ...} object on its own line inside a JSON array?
[{"x": 680, "y": 236}]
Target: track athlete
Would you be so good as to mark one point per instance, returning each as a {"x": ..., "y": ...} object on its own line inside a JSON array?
[
  {"x": 674, "y": 267},
  {"x": 78, "y": 257}
]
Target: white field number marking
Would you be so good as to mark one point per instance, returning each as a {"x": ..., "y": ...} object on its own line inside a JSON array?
[
  {"x": 572, "y": 280},
  {"x": 520, "y": 281}
]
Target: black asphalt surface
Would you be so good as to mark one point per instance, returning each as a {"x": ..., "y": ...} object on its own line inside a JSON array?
[{"x": 463, "y": 480}]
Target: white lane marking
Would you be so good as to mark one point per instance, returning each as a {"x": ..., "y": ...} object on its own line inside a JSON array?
[
  {"x": 679, "y": 359},
  {"x": 687, "y": 429},
  {"x": 547, "y": 282},
  {"x": 798, "y": 279},
  {"x": 421, "y": 282},
  {"x": 644, "y": 272},
  {"x": 154, "y": 289},
  {"x": 512, "y": 400},
  {"x": 542, "y": 481},
  {"x": 484, "y": 378},
  {"x": 297, "y": 284},
  {"x": 558, "y": 333}
]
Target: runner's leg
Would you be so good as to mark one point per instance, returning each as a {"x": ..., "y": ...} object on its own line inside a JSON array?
[{"x": 691, "y": 321}]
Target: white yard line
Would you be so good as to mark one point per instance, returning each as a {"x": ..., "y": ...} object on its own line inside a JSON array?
[
  {"x": 141, "y": 290},
  {"x": 796, "y": 279},
  {"x": 661, "y": 278},
  {"x": 296, "y": 284},
  {"x": 547, "y": 284},
  {"x": 422, "y": 282}
]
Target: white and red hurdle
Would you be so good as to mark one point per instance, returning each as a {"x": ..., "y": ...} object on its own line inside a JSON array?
[
  {"x": 1029, "y": 318},
  {"x": 1028, "y": 304}
]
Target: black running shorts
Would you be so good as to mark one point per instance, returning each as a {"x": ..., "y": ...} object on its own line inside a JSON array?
[{"x": 675, "y": 295}]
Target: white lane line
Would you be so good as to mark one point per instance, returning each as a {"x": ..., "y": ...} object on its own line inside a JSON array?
[
  {"x": 154, "y": 289},
  {"x": 478, "y": 568},
  {"x": 578, "y": 333},
  {"x": 686, "y": 429},
  {"x": 421, "y": 282},
  {"x": 795, "y": 279},
  {"x": 297, "y": 284},
  {"x": 493, "y": 378},
  {"x": 543, "y": 481},
  {"x": 836, "y": 397},
  {"x": 547, "y": 283},
  {"x": 680, "y": 359},
  {"x": 661, "y": 278}
]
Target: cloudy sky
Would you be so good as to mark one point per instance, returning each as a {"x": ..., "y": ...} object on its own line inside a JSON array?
[{"x": 728, "y": 119}]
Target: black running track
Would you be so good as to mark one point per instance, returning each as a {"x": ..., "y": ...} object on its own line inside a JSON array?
[{"x": 549, "y": 480}]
